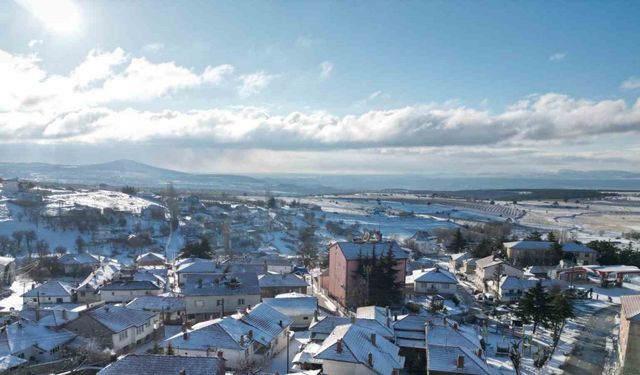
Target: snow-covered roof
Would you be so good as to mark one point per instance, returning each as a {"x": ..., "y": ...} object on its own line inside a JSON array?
[
  {"x": 22, "y": 334},
  {"x": 459, "y": 256},
  {"x": 434, "y": 275},
  {"x": 293, "y": 306},
  {"x": 4, "y": 261},
  {"x": 131, "y": 285},
  {"x": 357, "y": 345},
  {"x": 117, "y": 318},
  {"x": 275, "y": 280},
  {"x": 158, "y": 304},
  {"x": 445, "y": 335},
  {"x": 54, "y": 317},
  {"x": 201, "y": 266},
  {"x": 445, "y": 359},
  {"x": 327, "y": 324},
  {"x": 50, "y": 289},
  {"x": 352, "y": 250},
  {"x": 631, "y": 307},
  {"x": 529, "y": 245},
  {"x": 267, "y": 319},
  {"x": 79, "y": 259},
  {"x": 8, "y": 362},
  {"x": 222, "y": 285},
  {"x": 148, "y": 364},
  {"x": 151, "y": 257},
  {"x": 209, "y": 335},
  {"x": 100, "y": 276}
]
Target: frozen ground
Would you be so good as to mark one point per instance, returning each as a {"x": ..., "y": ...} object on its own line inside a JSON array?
[{"x": 98, "y": 199}]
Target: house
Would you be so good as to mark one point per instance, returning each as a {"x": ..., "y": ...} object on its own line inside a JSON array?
[
  {"x": 158, "y": 276},
  {"x": 49, "y": 292},
  {"x": 219, "y": 294},
  {"x": 7, "y": 271},
  {"x": 32, "y": 341},
  {"x": 352, "y": 349},
  {"x": 511, "y": 288},
  {"x": 171, "y": 309},
  {"x": 197, "y": 267},
  {"x": 300, "y": 309},
  {"x": 9, "y": 363},
  {"x": 50, "y": 316},
  {"x": 250, "y": 337},
  {"x": 149, "y": 364},
  {"x": 321, "y": 328},
  {"x": 274, "y": 284},
  {"x": 456, "y": 261},
  {"x": 629, "y": 336},
  {"x": 151, "y": 259},
  {"x": 340, "y": 279},
  {"x": 448, "y": 360},
  {"x": 492, "y": 268},
  {"x": 582, "y": 255},
  {"x": 126, "y": 291},
  {"x": 433, "y": 281},
  {"x": 79, "y": 263},
  {"x": 87, "y": 290},
  {"x": 115, "y": 327},
  {"x": 425, "y": 242}
]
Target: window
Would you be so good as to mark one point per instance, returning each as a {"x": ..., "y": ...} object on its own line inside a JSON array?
[
  {"x": 113, "y": 293},
  {"x": 140, "y": 329},
  {"x": 59, "y": 300},
  {"x": 218, "y": 302},
  {"x": 82, "y": 294},
  {"x": 240, "y": 301},
  {"x": 35, "y": 300},
  {"x": 200, "y": 303},
  {"x": 123, "y": 335},
  {"x": 305, "y": 318}
]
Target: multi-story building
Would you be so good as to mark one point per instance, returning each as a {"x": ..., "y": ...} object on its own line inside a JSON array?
[
  {"x": 630, "y": 334},
  {"x": 340, "y": 279}
]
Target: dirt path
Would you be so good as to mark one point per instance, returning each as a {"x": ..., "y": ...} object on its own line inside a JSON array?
[{"x": 589, "y": 355}]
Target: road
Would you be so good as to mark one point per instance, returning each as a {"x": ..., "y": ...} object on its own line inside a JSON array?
[{"x": 589, "y": 355}]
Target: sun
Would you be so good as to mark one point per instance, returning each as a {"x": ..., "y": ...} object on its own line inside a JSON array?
[{"x": 59, "y": 16}]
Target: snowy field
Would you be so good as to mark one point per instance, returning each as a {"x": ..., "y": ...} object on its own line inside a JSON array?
[{"x": 100, "y": 199}]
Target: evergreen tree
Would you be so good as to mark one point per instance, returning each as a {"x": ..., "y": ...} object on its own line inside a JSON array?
[
  {"x": 607, "y": 252},
  {"x": 533, "y": 306},
  {"x": 483, "y": 249},
  {"x": 200, "y": 249},
  {"x": 170, "y": 350},
  {"x": 534, "y": 236},
  {"x": 459, "y": 243},
  {"x": 560, "y": 310}
]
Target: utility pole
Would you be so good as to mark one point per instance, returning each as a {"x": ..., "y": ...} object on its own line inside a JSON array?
[{"x": 287, "y": 333}]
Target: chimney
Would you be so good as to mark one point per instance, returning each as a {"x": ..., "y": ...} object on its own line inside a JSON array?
[
  {"x": 315, "y": 315},
  {"x": 373, "y": 339},
  {"x": 395, "y": 317},
  {"x": 220, "y": 354},
  {"x": 250, "y": 335},
  {"x": 184, "y": 327},
  {"x": 106, "y": 308},
  {"x": 353, "y": 319},
  {"x": 183, "y": 372},
  {"x": 460, "y": 361},
  {"x": 185, "y": 335},
  {"x": 64, "y": 314},
  {"x": 280, "y": 323},
  {"x": 455, "y": 326},
  {"x": 444, "y": 321},
  {"x": 241, "y": 340},
  {"x": 370, "y": 359},
  {"x": 339, "y": 346},
  {"x": 37, "y": 314},
  {"x": 479, "y": 353}
]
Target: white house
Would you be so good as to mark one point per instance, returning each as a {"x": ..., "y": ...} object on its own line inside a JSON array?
[
  {"x": 171, "y": 309},
  {"x": 32, "y": 341},
  {"x": 126, "y": 291},
  {"x": 246, "y": 338},
  {"x": 49, "y": 292},
  {"x": 433, "y": 281},
  {"x": 301, "y": 309},
  {"x": 352, "y": 349},
  {"x": 492, "y": 268}
]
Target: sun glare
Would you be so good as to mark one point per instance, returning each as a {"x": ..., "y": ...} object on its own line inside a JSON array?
[{"x": 60, "y": 16}]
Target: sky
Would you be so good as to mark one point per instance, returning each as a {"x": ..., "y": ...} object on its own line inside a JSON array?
[{"x": 323, "y": 87}]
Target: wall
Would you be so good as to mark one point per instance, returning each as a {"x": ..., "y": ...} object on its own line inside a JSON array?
[
  {"x": 124, "y": 296},
  {"x": 338, "y": 368},
  {"x": 440, "y": 288},
  {"x": 209, "y": 307}
]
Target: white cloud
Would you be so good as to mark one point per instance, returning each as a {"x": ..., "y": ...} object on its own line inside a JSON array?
[
  {"x": 33, "y": 43},
  {"x": 326, "y": 67},
  {"x": 253, "y": 83},
  {"x": 305, "y": 41},
  {"x": 633, "y": 83},
  {"x": 558, "y": 56},
  {"x": 153, "y": 47}
]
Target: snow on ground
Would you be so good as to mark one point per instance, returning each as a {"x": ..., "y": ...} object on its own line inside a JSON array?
[
  {"x": 98, "y": 199},
  {"x": 19, "y": 287},
  {"x": 279, "y": 362}
]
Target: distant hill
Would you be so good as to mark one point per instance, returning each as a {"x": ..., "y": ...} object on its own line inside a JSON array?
[{"x": 128, "y": 172}]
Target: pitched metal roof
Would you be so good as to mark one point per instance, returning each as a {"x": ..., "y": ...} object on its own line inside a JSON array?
[
  {"x": 434, "y": 275},
  {"x": 206, "y": 335},
  {"x": 158, "y": 304},
  {"x": 327, "y": 324},
  {"x": 529, "y": 245},
  {"x": 117, "y": 319},
  {"x": 444, "y": 359},
  {"x": 352, "y": 250},
  {"x": 267, "y": 319},
  {"x": 147, "y": 364},
  {"x": 79, "y": 259},
  {"x": 22, "y": 334},
  {"x": 631, "y": 307},
  {"x": 294, "y": 305},
  {"x": 51, "y": 289},
  {"x": 222, "y": 285},
  {"x": 572, "y": 247},
  {"x": 131, "y": 285},
  {"x": 356, "y": 347},
  {"x": 275, "y": 280}
]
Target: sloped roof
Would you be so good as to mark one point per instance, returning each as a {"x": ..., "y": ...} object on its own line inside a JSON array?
[
  {"x": 54, "y": 317},
  {"x": 151, "y": 257},
  {"x": 8, "y": 362},
  {"x": 117, "y": 318},
  {"x": 352, "y": 250},
  {"x": 444, "y": 359},
  {"x": 222, "y": 285},
  {"x": 631, "y": 307},
  {"x": 200, "y": 266},
  {"x": 529, "y": 245},
  {"x": 572, "y": 247},
  {"x": 148, "y": 364},
  {"x": 434, "y": 275},
  {"x": 22, "y": 334},
  {"x": 327, "y": 324},
  {"x": 294, "y": 305},
  {"x": 131, "y": 285},
  {"x": 50, "y": 289},
  {"x": 4, "y": 261},
  {"x": 206, "y": 335},
  {"x": 79, "y": 259},
  {"x": 158, "y": 304},
  {"x": 266, "y": 319},
  {"x": 445, "y": 335},
  {"x": 356, "y": 347},
  {"x": 275, "y": 280}
]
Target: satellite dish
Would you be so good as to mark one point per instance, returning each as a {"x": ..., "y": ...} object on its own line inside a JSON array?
[{"x": 366, "y": 236}]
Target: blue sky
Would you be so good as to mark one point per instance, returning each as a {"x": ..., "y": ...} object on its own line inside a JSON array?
[{"x": 324, "y": 87}]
